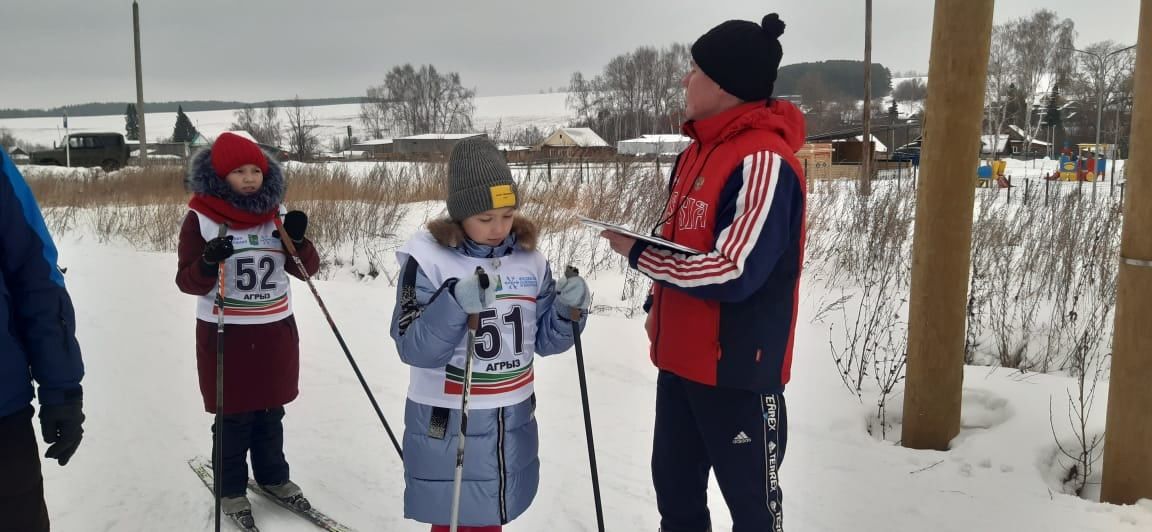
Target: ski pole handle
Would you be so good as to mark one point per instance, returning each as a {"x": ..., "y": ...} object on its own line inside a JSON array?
[
  {"x": 220, "y": 277},
  {"x": 482, "y": 277},
  {"x": 569, "y": 272},
  {"x": 288, "y": 244}
]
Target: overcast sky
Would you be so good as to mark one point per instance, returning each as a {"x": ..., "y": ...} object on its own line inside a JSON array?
[{"x": 55, "y": 52}]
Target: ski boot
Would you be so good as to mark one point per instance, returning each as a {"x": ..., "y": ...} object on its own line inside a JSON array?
[
  {"x": 288, "y": 493},
  {"x": 239, "y": 509}
]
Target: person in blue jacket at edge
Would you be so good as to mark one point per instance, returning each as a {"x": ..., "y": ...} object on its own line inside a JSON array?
[{"x": 38, "y": 344}]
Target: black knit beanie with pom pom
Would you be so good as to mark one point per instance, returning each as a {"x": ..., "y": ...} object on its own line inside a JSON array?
[{"x": 742, "y": 56}]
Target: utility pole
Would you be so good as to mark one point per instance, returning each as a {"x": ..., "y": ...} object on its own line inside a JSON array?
[
  {"x": 67, "y": 143},
  {"x": 139, "y": 85},
  {"x": 1116, "y": 142},
  {"x": 866, "y": 138}
]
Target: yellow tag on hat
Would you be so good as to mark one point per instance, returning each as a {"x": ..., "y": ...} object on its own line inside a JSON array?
[{"x": 503, "y": 196}]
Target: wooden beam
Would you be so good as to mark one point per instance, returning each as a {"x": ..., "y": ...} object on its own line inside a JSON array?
[
  {"x": 1128, "y": 438},
  {"x": 961, "y": 33}
]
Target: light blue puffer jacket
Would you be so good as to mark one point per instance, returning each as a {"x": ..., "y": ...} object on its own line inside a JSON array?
[{"x": 501, "y": 466}]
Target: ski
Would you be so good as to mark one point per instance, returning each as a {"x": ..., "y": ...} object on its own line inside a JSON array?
[
  {"x": 203, "y": 470},
  {"x": 313, "y": 515}
]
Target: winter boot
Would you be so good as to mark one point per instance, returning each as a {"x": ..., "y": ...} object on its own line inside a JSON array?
[
  {"x": 239, "y": 509},
  {"x": 289, "y": 493}
]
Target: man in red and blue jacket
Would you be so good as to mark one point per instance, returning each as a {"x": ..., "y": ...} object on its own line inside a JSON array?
[
  {"x": 722, "y": 322},
  {"x": 37, "y": 343}
]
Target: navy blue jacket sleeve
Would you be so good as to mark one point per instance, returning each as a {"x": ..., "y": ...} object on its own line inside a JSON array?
[
  {"x": 755, "y": 224},
  {"x": 41, "y": 310}
]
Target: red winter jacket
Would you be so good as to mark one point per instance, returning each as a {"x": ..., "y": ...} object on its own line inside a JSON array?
[
  {"x": 261, "y": 362},
  {"x": 727, "y": 317}
]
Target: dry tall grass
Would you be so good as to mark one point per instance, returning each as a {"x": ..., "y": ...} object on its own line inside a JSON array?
[{"x": 356, "y": 218}]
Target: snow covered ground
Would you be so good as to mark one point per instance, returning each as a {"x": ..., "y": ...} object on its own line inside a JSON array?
[
  {"x": 145, "y": 420},
  {"x": 546, "y": 111}
]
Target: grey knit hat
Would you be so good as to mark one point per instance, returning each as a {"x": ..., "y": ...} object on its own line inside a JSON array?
[{"x": 478, "y": 179}]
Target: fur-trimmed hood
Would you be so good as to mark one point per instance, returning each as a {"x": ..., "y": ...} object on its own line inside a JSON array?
[
  {"x": 202, "y": 179},
  {"x": 451, "y": 234}
]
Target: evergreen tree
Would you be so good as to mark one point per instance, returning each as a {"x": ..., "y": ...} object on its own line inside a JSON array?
[
  {"x": 184, "y": 131},
  {"x": 131, "y": 123},
  {"x": 1054, "y": 120},
  {"x": 1052, "y": 115}
]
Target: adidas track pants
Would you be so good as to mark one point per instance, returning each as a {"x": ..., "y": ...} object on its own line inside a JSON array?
[{"x": 739, "y": 434}]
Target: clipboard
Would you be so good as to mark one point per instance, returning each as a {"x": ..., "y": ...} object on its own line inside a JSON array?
[{"x": 654, "y": 240}]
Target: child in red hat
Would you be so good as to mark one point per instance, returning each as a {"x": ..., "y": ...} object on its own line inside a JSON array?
[{"x": 235, "y": 183}]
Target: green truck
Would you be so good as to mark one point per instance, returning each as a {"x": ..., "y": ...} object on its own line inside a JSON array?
[{"x": 106, "y": 150}]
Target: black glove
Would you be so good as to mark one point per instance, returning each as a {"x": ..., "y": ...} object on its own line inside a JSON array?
[
  {"x": 218, "y": 249},
  {"x": 295, "y": 223},
  {"x": 62, "y": 426}
]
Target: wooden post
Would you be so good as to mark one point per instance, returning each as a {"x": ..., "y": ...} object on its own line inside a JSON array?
[
  {"x": 961, "y": 33},
  {"x": 1127, "y": 460},
  {"x": 807, "y": 175},
  {"x": 143, "y": 132}
]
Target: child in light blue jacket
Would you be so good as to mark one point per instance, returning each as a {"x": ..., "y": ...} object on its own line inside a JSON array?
[{"x": 522, "y": 312}]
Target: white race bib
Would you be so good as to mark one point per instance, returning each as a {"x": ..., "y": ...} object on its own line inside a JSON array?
[{"x": 256, "y": 286}]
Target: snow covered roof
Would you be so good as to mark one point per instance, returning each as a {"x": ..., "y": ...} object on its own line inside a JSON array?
[
  {"x": 581, "y": 136},
  {"x": 94, "y": 132},
  {"x": 660, "y": 138},
  {"x": 351, "y": 154},
  {"x": 987, "y": 140},
  {"x": 442, "y": 136},
  {"x": 1024, "y": 135},
  {"x": 373, "y": 142},
  {"x": 880, "y": 146}
]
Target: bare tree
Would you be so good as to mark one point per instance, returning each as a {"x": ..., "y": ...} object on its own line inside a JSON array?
[
  {"x": 374, "y": 115},
  {"x": 263, "y": 124},
  {"x": 1042, "y": 50},
  {"x": 7, "y": 139},
  {"x": 269, "y": 127},
  {"x": 302, "y": 139},
  {"x": 998, "y": 88},
  {"x": 821, "y": 102},
  {"x": 529, "y": 136},
  {"x": 1103, "y": 76},
  {"x": 414, "y": 101},
  {"x": 637, "y": 93},
  {"x": 911, "y": 90},
  {"x": 244, "y": 119}
]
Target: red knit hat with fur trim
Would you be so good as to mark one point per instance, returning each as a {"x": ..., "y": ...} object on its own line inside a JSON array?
[{"x": 231, "y": 151}]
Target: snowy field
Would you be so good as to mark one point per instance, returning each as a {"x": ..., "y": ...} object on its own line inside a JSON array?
[
  {"x": 512, "y": 113},
  {"x": 145, "y": 420}
]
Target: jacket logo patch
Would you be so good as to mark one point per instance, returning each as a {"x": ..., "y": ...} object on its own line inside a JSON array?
[
  {"x": 517, "y": 282},
  {"x": 699, "y": 184},
  {"x": 693, "y": 215}
]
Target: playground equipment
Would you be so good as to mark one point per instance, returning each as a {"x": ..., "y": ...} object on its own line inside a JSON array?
[
  {"x": 986, "y": 173},
  {"x": 1081, "y": 163}
]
